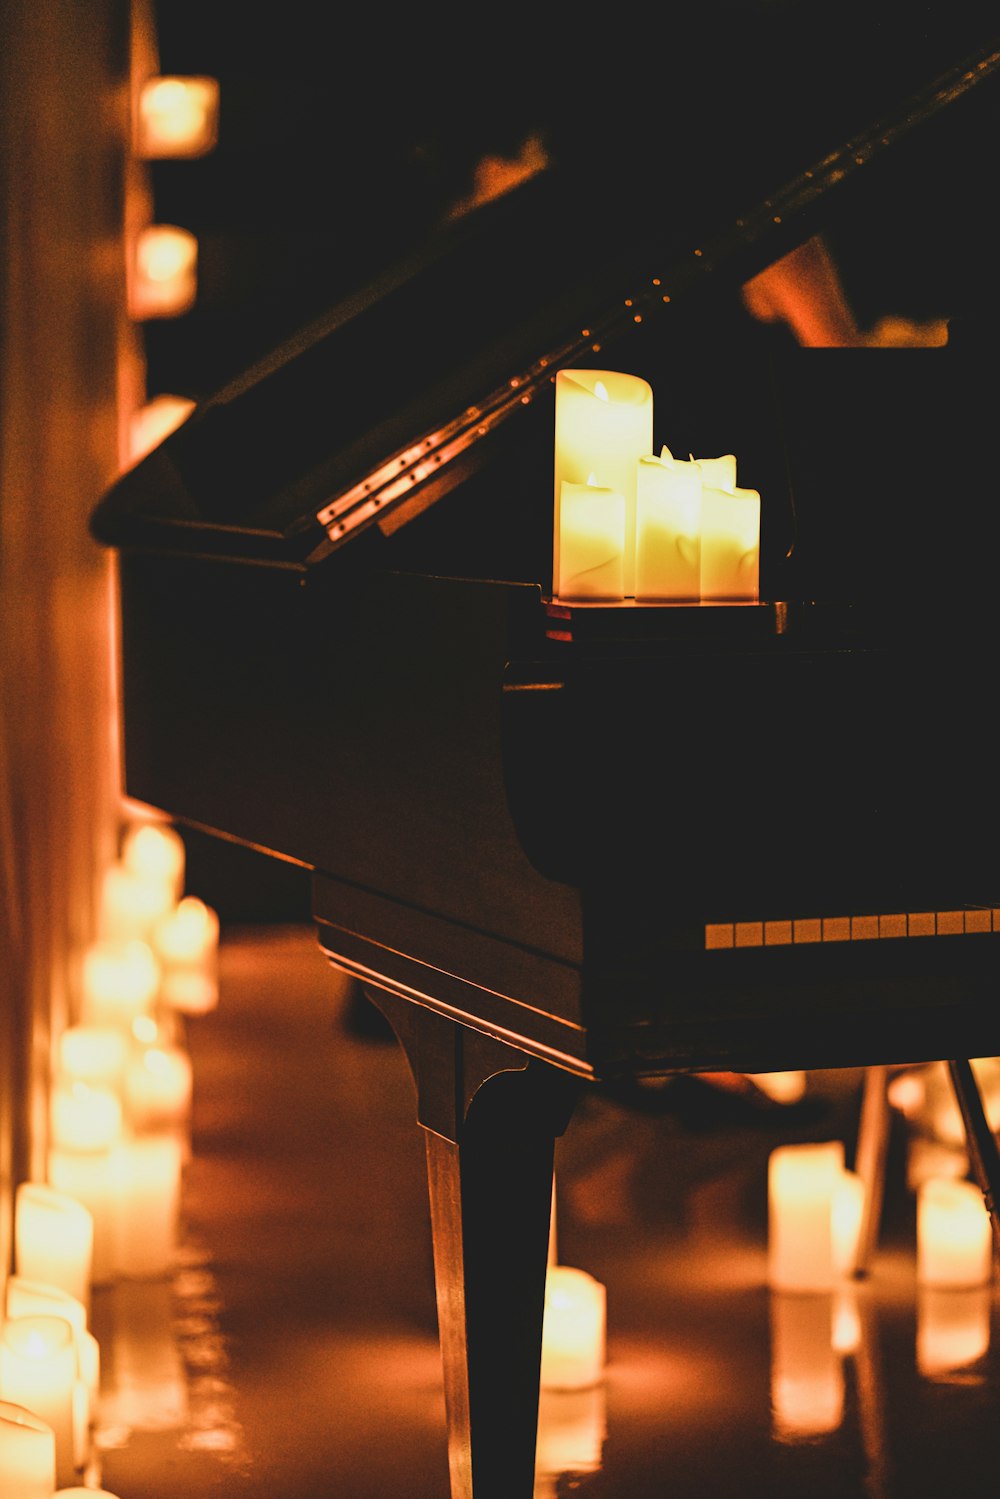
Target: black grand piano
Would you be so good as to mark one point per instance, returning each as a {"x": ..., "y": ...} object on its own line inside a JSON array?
[{"x": 567, "y": 844}]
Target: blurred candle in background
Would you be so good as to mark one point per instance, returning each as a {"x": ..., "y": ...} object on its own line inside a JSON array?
[
  {"x": 186, "y": 944},
  {"x": 93, "y": 1054},
  {"x": 592, "y": 543},
  {"x": 38, "y": 1369},
  {"x": 131, "y": 904},
  {"x": 954, "y": 1236},
  {"x": 164, "y": 279},
  {"x": 91, "y": 1178},
  {"x": 120, "y": 981},
  {"x": 800, "y": 1186},
  {"x": 155, "y": 852},
  {"x": 53, "y": 1238},
  {"x": 177, "y": 116},
  {"x": 146, "y": 1225},
  {"x": 27, "y": 1454},
  {"x": 158, "y": 1087},
  {"x": 154, "y": 422},
  {"x": 83, "y": 1117},
  {"x": 667, "y": 528},
  {"x": 846, "y": 1210},
  {"x": 573, "y": 1335},
  {"x": 603, "y": 426}
]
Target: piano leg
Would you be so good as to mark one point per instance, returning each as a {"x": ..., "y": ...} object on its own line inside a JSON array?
[{"x": 491, "y": 1117}]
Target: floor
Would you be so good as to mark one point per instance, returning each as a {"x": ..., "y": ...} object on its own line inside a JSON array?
[{"x": 293, "y": 1351}]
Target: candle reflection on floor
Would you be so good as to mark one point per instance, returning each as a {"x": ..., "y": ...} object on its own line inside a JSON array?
[
  {"x": 953, "y": 1328},
  {"x": 807, "y": 1376}
]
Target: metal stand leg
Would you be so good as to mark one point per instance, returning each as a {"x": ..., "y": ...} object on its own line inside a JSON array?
[
  {"x": 984, "y": 1157},
  {"x": 870, "y": 1158}
]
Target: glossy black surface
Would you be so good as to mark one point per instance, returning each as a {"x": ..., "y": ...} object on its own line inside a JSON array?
[{"x": 293, "y": 1352}]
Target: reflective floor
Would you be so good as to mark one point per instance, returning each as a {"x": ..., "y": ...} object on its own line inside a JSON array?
[{"x": 293, "y": 1350}]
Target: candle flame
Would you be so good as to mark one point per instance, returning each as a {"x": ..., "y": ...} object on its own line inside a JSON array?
[{"x": 601, "y": 390}]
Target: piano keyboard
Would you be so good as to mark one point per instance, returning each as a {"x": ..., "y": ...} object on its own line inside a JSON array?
[{"x": 866, "y": 928}]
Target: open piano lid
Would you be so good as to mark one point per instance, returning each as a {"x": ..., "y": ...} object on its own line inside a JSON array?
[{"x": 412, "y": 384}]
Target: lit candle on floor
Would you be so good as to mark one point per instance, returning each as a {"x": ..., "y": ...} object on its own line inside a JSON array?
[
  {"x": 120, "y": 982},
  {"x": 131, "y": 904},
  {"x": 801, "y": 1182},
  {"x": 93, "y": 1054},
  {"x": 155, "y": 852},
  {"x": 186, "y": 943},
  {"x": 592, "y": 543},
  {"x": 603, "y": 426},
  {"x": 730, "y": 544},
  {"x": 83, "y": 1117},
  {"x": 92, "y": 1179},
  {"x": 667, "y": 528},
  {"x": 953, "y": 1327},
  {"x": 164, "y": 272},
  {"x": 573, "y": 1335},
  {"x": 53, "y": 1238},
  {"x": 807, "y": 1376},
  {"x": 27, "y": 1453},
  {"x": 38, "y": 1369},
  {"x": 954, "y": 1237},
  {"x": 177, "y": 116}
]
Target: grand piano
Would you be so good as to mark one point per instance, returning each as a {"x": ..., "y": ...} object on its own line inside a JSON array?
[{"x": 567, "y": 845}]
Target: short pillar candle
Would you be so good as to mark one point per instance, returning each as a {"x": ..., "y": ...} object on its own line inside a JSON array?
[
  {"x": 801, "y": 1182},
  {"x": 53, "y": 1238},
  {"x": 730, "y": 544},
  {"x": 573, "y": 1334},
  {"x": 954, "y": 1235},
  {"x": 592, "y": 543},
  {"x": 39, "y": 1370},
  {"x": 27, "y": 1453},
  {"x": 667, "y": 528}
]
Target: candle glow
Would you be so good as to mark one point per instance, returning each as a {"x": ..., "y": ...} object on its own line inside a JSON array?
[
  {"x": 177, "y": 116},
  {"x": 155, "y": 852},
  {"x": 730, "y": 543},
  {"x": 954, "y": 1236},
  {"x": 27, "y": 1453},
  {"x": 801, "y": 1183},
  {"x": 573, "y": 1334},
  {"x": 120, "y": 981},
  {"x": 164, "y": 272},
  {"x": 667, "y": 528},
  {"x": 53, "y": 1238},
  {"x": 592, "y": 543},
  {"x": 603, "y": 426},
  {"x": 38, "y": 1370}
]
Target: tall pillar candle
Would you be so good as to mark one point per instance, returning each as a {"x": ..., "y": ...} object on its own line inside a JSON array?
[
  {"x": 603, "y": 426},
  {"x": 573, "y": 1330},
  {"x": 53, "y": 1238},
  {"x": 801, "y": 1181},
  {"x": 91, "y": 1178},
  {"x": 667, "y": 528},
  {"x": 38, "y": 1369},
  {"x": 954, "y": 1237},
  {"x": 147, "y": 1222},
  {"x": 27, "y": 1453},
  {"x": 592, "y": 543},
  {"x": 730, "y": 544}
]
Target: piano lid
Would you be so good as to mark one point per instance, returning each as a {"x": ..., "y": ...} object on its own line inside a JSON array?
[{"x": 409, "y": 385}]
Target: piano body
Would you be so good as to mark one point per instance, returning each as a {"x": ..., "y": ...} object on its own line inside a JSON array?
[{"x": 565, "y": 844}]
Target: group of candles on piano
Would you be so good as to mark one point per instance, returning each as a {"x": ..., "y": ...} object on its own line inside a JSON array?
[
  {"x": 634, "y": 524},
  {"x": 108, "y": 1209}
]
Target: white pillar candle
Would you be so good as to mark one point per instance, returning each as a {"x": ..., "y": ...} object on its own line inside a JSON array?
[
  {"x": 807, "y": 1376},
  {"x": 800, "y": 1185},
  {"x": 592, "y": 543},
  {"x": 953, "y": 1327},
  {"x": 131, "y": 904},
  {"x": 603, "y": 426},
  {"x": 157, "y": 1089},
  {"x": 572, "y": 1426},
  {"x": 38, "y": 1369},
  {"x": 186, "y": 944},
  {"x": 36, "y": 1298},
  {"x": 93, "y": 1054},
  {"x": 84, "y": 1118},
  {"x": 730, "y": 544},
  {"x": 120, "y": 981},
  {"x": 667, "y": 528},
  {"x": 954, "y": 1237},
  {"x": 27, "y": 1454},
  {"x": 846, "y": 1211},
  {"x": 718, "y": 473},
  {"x": 155, "y": 852},
  {"x": 53, "y": 1238},
  {"x": 573, "y": 1331},
  {"x": 177, "y": 116},
  {"x": 91, "y": 1178},
  {"x": 164, "y": 272},
  {"x": 146, "y": 1227}
]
